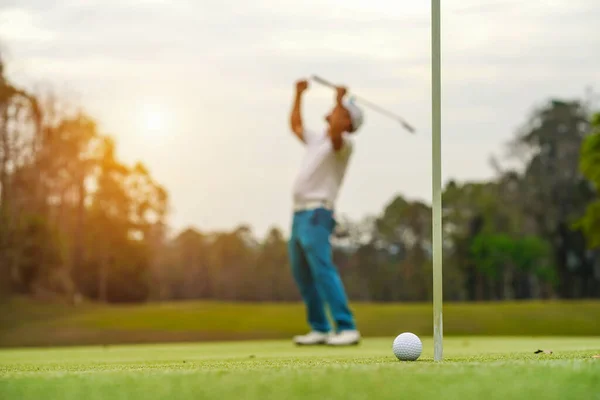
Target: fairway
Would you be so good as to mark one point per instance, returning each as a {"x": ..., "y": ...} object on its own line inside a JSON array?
[
  {"x": 490, "y": 368},
  {"x": 29, "y": 323}
]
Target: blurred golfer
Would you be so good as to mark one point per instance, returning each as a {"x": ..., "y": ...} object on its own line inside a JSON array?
[{"x": 316, "y": 188}]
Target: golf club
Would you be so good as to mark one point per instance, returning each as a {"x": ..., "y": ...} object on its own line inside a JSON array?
[{"x": 368, "y": 104}]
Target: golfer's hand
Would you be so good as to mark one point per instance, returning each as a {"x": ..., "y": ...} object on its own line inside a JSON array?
[
  {"x": 341, "y": 92},
  {"x": 301, "y": 86}
]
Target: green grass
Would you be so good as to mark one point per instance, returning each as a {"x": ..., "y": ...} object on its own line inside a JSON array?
[
  {"x": 27, "y": 323},
  {"x": 475, "y": 368}
]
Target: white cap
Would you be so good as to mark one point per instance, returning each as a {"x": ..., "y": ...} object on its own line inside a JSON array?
[{"x": 356, "y": 114}]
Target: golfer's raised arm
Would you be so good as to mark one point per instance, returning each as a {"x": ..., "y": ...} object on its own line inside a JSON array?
[
  {"x": 296, "y": 117},
  {"x": 337, "y": 129}
]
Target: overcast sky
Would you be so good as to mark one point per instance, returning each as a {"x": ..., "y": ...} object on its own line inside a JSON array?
[{"x": 200, "y": 90}]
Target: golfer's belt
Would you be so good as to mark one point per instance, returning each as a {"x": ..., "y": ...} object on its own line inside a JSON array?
[{"x": 312, "y": 204}]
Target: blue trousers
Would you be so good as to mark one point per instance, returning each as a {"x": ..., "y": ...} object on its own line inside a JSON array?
[{"x": 314, "y": 272}]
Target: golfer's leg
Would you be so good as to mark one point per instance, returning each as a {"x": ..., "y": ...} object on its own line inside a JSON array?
[
  {"x": 315, "y": 241},
  {"x": 315, "y": 307}
]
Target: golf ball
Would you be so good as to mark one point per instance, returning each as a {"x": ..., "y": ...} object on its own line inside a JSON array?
[{"x": 407, "y": 347}]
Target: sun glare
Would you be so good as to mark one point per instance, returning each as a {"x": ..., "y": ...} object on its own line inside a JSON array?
[{"x": 153, "y": 120}]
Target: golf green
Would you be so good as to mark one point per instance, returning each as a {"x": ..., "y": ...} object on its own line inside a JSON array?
[{"x": 474, "y": 368}]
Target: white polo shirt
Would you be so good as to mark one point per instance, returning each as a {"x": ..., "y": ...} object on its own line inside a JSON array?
[{"x": 322, "y": 169}]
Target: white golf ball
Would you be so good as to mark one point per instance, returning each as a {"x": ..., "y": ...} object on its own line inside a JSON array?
[{"x": 407, "y": 347}]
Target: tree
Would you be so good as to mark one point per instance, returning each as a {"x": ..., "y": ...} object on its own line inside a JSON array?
[
  {"x": 42, "y": 254},
  {"x": 468, "y": 210},
  {"x": 272, "y": 274},
  {"x": 402, "y": 242},
  {"x": 553, "y": 191},
  {"x": 125, "y": 207},
  {"x": 590, "y": 167},
  {"x": 189, "y": 269},
  {"x": 18, "y": 130},
  {"x": 233, "y": 264},
  {"x": 507, "y": 261}
]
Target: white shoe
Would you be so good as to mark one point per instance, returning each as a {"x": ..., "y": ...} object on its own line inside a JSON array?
[
  {"x": 311, "y": 339},
  {"x": 344, "y": 338}
]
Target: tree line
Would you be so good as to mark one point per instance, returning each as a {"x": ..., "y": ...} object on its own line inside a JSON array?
[{"x": 77, "y": 223}]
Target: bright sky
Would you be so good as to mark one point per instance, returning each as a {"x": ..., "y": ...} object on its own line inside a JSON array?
[{"x": 200, "y": 91}]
